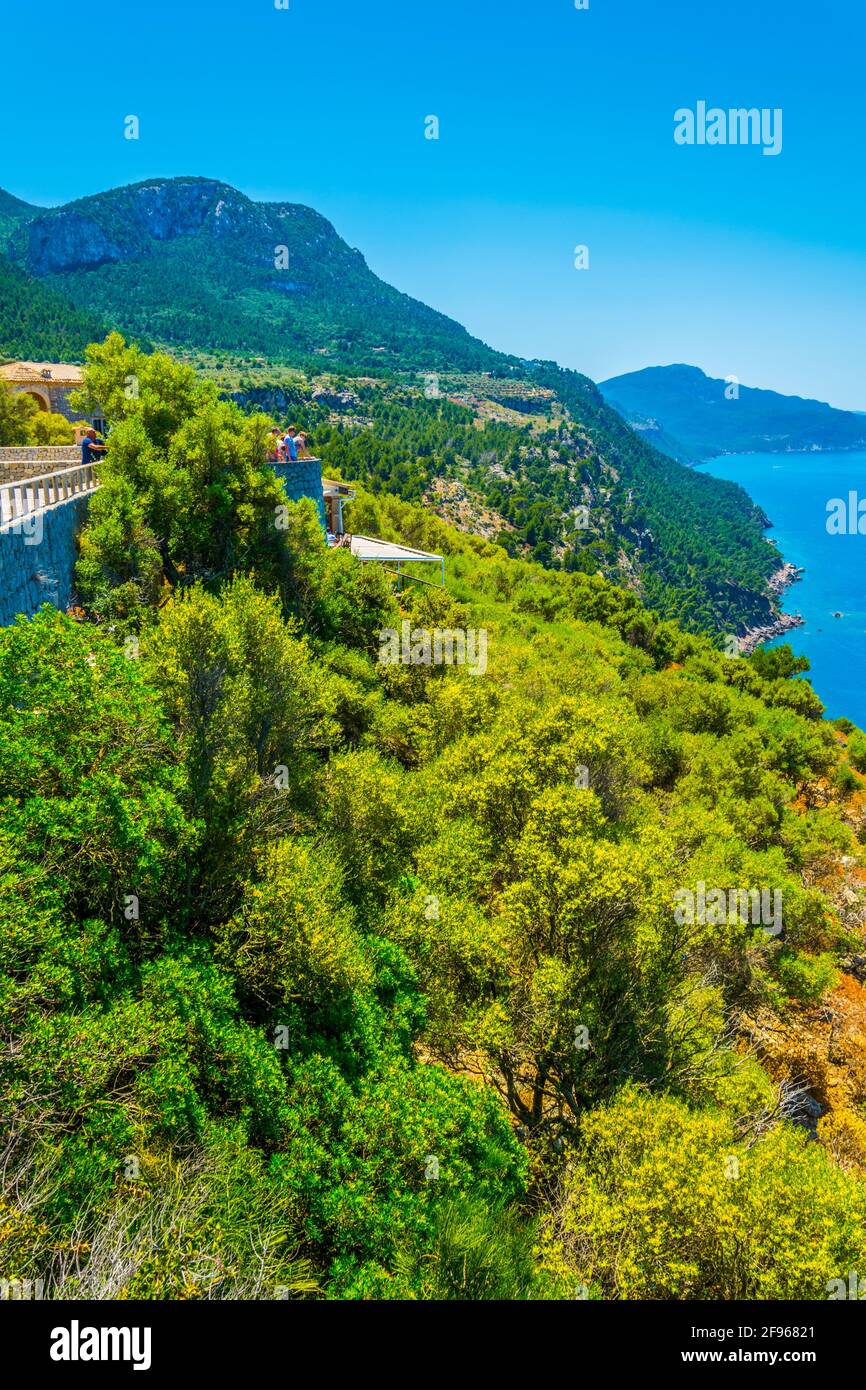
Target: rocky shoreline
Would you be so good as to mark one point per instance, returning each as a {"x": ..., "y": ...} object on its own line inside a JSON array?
[{"x": 778, "y": 582}]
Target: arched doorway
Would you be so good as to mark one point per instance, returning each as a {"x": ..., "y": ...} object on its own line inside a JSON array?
[{"x": 38, "y": 398}]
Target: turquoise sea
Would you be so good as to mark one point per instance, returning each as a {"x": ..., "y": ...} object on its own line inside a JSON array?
[{"x": 793, "y": 490}]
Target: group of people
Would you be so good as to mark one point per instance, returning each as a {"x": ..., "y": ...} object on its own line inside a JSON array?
[{"x": 288, "y": 447}]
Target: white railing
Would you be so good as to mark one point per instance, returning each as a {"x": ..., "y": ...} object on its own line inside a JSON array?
[{"x": 20, "y": 499}]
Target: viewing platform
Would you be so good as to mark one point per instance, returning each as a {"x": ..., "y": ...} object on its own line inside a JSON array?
[
  {"x": 391, "y": 553},
  {"x": 35, "y": 489},
  {"x": 44, "y": 495},
  {"x": 302, "y": 477}
]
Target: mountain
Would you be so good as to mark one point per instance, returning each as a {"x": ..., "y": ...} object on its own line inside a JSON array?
[
  {"x": 193, "y": 262},
  {"x": 36, "y": 320},
  {"x": 13, "y": 212},
  {"x": 193, "y": 265},
  {"x": 689, "y": 415},
  {"x": 654, "y": 434}
]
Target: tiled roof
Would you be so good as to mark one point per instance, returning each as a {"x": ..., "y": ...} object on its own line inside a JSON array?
[{"x": 25, "y": 373}]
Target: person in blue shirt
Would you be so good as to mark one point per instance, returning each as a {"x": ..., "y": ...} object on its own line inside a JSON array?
[
  {"x": 92, "y": 448},
  {"x": 289, "y": 444}
]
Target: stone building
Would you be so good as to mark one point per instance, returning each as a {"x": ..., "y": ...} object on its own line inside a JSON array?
[{"x": 50, "y": 385}]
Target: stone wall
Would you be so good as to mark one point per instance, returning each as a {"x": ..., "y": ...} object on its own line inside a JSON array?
[
  {"x": 49, "y": 454},
  {"x": 303, "y": 479},
  {"x": 37, "y": 555},
  {"x": 37, "y": 559},
  {"x": 20, "y": 461},
  {"x": 59, "y": 396}
]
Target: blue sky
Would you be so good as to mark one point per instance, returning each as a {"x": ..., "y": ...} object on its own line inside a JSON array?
[{"x": 556, "y": 129}]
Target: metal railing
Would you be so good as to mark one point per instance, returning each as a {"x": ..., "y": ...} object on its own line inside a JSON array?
[
  {"x": 28, "y": 495},
  {"x": 400, "y": 575}
]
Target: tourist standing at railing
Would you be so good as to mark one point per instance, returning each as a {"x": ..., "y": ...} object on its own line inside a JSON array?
[
  {"x": 275, "y": 445},
  {"x": 92, "y": 447},
  {"x": 290, "y": 445}
]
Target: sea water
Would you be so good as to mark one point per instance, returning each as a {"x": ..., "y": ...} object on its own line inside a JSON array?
[{"x": 796, "y": 491}]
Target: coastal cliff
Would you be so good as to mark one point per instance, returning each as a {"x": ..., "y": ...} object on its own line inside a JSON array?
[{"x": 780, "y": 623}]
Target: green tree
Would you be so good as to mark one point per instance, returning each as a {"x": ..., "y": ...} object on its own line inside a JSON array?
[
  {"x": 17, "y": 410},
  {"x": 665, "y": 1202}
]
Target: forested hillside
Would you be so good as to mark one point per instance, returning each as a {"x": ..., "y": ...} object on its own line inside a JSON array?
[
  {"x": 37, "y": 323},
  {"x": 329, "y": 976},
  {"x": 195, "y": 265},
  {"x": 567, "y": 484},
  {"x": 35, "y": 320}
]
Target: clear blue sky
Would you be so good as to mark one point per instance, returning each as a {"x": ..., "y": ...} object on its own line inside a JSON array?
[{"x": 556, "y": 128}]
